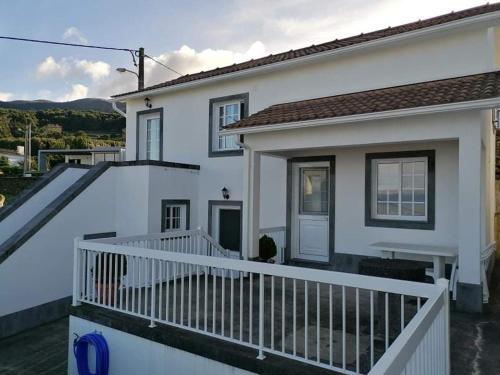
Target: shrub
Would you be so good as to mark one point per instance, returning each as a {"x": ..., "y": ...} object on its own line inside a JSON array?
[{"x": 267, "y": 248}]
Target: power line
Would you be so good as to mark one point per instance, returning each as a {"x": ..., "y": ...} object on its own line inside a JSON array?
[
  {"x": 67, "y": 44},
  {"x": 133, "y": 52},
  {"x": 165, "y": 66}
]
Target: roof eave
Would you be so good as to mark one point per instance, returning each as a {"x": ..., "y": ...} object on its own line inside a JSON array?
[
  {"x": 442, "y": 108},
  {"x": 482, "y": 18}
]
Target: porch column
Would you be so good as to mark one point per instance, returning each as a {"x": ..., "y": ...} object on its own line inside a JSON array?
[
  {"x": 469, "y": 293},
  {"x": 251, "y": 204}
]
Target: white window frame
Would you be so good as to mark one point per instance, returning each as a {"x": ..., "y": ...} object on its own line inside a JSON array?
[
  {"x": 182, "y": 217},
  {"x": 217, "y": 126},
  {"x": 149, "y": 138},
  {"x": 374, "y": 190}
]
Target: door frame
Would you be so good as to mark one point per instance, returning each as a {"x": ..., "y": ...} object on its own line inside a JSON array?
[
  {"x": 331, "y": 206},
  {"x": 214, "y": 205}
]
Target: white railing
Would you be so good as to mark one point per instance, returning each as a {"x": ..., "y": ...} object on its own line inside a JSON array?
[
  {"x": 278, "y": 234},
  {"x": 337, "y": 321},
  {"x": 195, "y": 241}
]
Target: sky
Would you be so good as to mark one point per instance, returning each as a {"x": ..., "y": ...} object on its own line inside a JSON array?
[{"x": 187, "y": 35}]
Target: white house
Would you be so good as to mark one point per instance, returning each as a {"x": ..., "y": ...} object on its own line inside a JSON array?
[
  {"x": 340, "y": 151},
  {"x": 399, "y": 123}
]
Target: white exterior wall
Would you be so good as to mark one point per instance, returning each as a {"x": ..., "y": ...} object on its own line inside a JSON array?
[
  {"x": 186, "y": 111},
  {"x": 455, "y": 136},
  {"x": 168, "y": 183},
  {"x": 41, "y": 270},
  {"x": 129, "y": 354},
  {"x": 120, "y": 200}
]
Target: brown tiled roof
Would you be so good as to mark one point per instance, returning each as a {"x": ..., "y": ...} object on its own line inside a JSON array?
[
  {"x": 328, "y": 46},
  {"x": 446, "y": 91}
]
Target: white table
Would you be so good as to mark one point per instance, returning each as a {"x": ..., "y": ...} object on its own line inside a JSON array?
[{"x": 438, "y": 253}]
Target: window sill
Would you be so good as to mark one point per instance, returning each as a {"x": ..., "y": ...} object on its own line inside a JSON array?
[
  {"x": 222, "y": 153},
  {"x": 400, "y": 224}
]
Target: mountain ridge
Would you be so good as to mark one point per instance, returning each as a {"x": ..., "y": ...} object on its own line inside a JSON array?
[{"x": 86, "y": 104}]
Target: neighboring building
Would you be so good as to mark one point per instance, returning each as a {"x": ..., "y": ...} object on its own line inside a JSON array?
[
  {"x": 385, "y": 137},
  {"x": 81, "y": 156},
  {"x": 53, "y": 128}
]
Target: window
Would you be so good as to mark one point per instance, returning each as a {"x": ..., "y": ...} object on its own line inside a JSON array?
[
  {"x": 224, "y": 112},
  {"x": 314, "y": 191},
  {"x": 175, "y": 215},
  {"x": 400, "y": 189},
  {"x": 228, "y": 114},
  {"x": 172, "y": 218},
  {"x": 153, "y": 139},
  {"x": 149, "y": 134}
]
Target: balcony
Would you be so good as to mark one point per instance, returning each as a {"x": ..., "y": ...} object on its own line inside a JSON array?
[{"x": 350, "y": 324}]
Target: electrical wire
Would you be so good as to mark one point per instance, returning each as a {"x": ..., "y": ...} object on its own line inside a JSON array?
[
  {"x": 133, "y": 52},
  {"x": 165, "y": 66},
  {"x": 66, "y": 44}
]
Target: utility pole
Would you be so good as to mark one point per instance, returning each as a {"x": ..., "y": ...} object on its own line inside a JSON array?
[
  {"x": 27, "y": 151},
  {"x": 141, "y": 68}
]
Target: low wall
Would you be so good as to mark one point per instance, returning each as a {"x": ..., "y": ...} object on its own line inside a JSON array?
[{"x": 129, "y": 354}]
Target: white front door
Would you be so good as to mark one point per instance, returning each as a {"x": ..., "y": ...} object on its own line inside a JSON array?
[{"x": 310, "y": 208}]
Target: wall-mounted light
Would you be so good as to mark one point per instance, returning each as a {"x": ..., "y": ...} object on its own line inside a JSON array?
[
  {"x": 147, "y": 102},
  {"x": 225, "y": 193}
]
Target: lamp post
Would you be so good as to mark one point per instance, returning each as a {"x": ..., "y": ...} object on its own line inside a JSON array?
[{"x": 140, "y": 75}]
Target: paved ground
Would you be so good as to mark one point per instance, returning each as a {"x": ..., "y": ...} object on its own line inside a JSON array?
[
  {"x": 41, "y": 351},
  {"x": 475, "y": 344},
  {"x": 475, "y": 339}
]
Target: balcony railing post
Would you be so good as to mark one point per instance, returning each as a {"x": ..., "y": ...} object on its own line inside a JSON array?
[
  {"x": 446, "y": 300},
  {"x": 76, "y": 273},
  {"x": 153, "y": 294},
  {"x": 261, "y": 317}
]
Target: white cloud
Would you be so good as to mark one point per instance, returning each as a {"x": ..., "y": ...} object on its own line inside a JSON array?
[
  {"x": 4, "y": 96},
  {"x": 75, "y": 35},
  {"x": 78, "y": 91},
  {"x": 68, "y": 67},
  {"x": 184, "y": 60},
  {"x": 95, "y": 69},
  {"x": 52, "y": 68}
]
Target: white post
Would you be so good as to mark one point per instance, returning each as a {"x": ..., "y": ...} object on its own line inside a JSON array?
[
  {"x": 469, "y": 216},
  {"x": 261, "y": 317},
  {"x": 446, "y": 300},
  {"x": 76, "y": 273},
  {"x": 251, "y": 204},
  {"x": 153, "y": 293}
]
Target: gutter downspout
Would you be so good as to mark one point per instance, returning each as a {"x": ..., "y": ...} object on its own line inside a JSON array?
[
  {"x": 116, "y": 109},
  {"x": 246, "y": 197}
]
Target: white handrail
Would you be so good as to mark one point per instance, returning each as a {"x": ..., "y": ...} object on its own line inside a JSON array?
[
  {"x": 208, "y": 295},
  {"x": 410, "y": 354},
  {"x": 146, "y": 240}
]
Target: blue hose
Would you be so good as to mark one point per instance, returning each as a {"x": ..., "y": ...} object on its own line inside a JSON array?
[{"x": 80, "y": 348}]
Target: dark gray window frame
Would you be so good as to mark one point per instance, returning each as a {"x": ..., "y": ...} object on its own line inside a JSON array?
[
  {"x": 212, "y": 203},
  {"x": 137, "y": 123},
  {"x": 166, "y": 202},
  {"x": 331, "y": 207},
  {"x": 214, "y": 153},
  {"x": 429, "y": 224}
]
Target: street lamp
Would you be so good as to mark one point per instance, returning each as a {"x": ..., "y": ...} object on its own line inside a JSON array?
[{"x": 123, "y": 70}]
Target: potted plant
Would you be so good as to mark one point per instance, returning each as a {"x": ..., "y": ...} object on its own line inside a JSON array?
[
  {"x": 108, "y": 276},
  {"x": 267, "y": 249}
]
